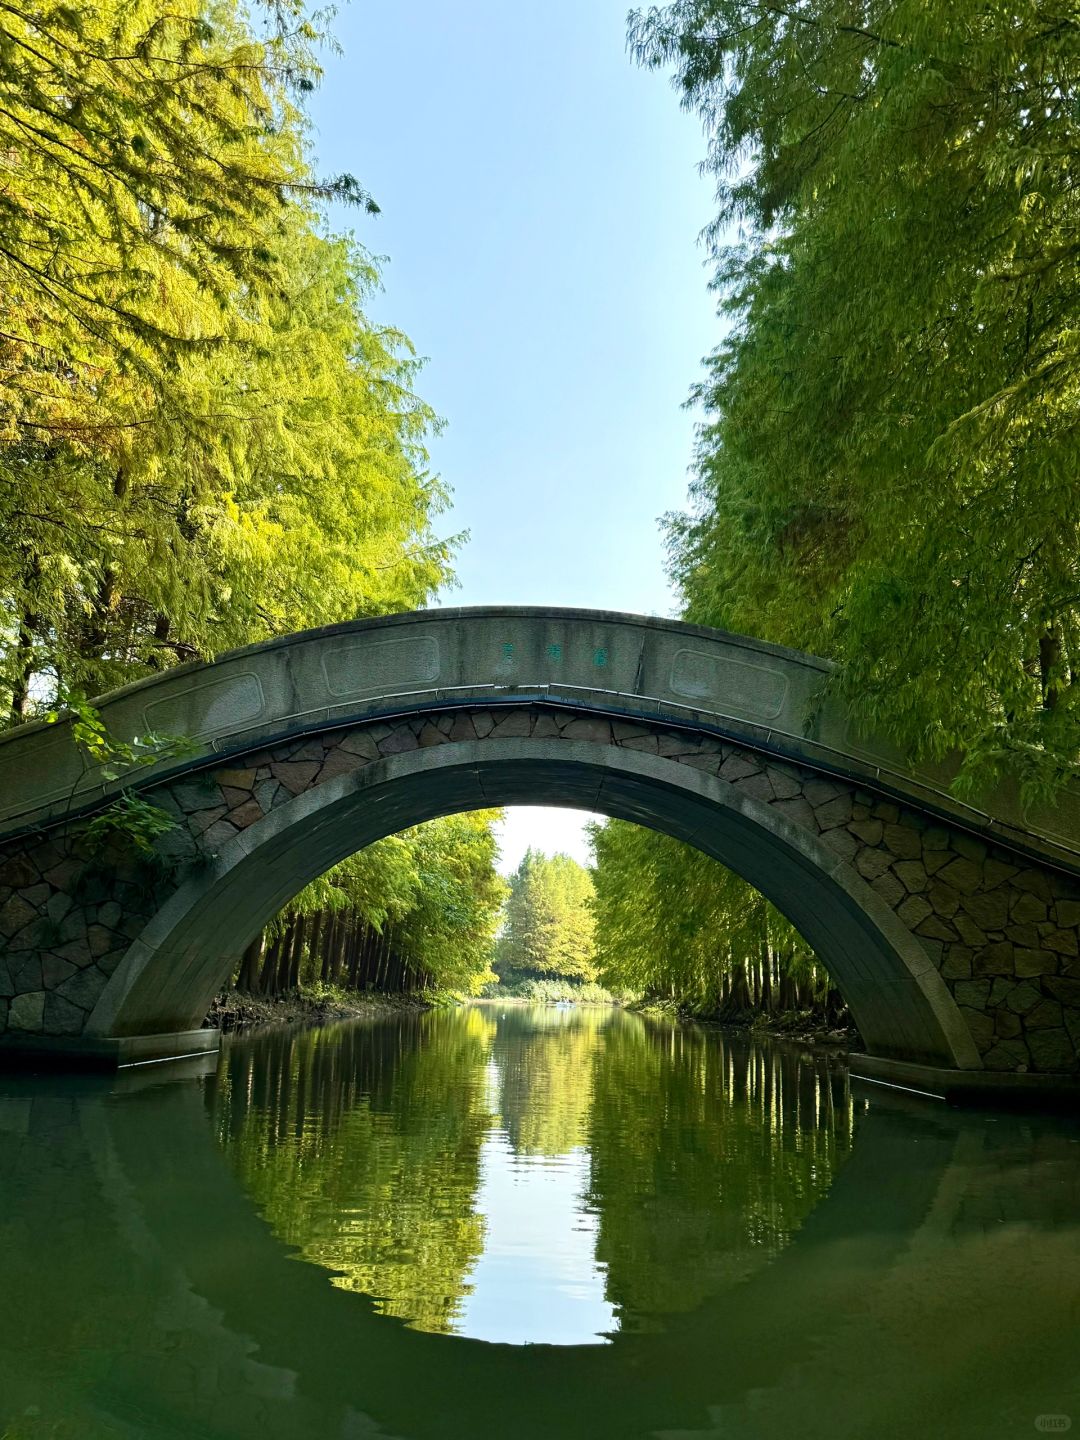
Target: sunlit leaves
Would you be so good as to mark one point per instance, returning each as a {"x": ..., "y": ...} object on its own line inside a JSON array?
[
  {"x": 672, "y": 923},
  {"x": 207, "y": 442},
  {"x": 887, "y": 473},
  {"x": 432, "y": 890}
]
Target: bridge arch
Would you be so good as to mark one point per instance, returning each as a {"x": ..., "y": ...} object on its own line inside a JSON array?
[
  {"x": 192, "y": 945},
  {"x": 954, "y": 932}
]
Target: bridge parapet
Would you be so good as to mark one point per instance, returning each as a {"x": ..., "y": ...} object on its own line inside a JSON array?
[{"x": 765, "y": 695}]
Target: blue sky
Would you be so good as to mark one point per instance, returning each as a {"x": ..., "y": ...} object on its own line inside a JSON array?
[{"x": 541, "y": 205}]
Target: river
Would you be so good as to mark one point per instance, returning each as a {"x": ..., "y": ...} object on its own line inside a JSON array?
[{"x": 509, "y": 1221}]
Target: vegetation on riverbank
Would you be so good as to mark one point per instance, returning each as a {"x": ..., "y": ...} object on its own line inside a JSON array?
[
  {"x": 315, "y": 1005},
  {"x": 817, "y": 1025},
  {"x": 681, "y": 931},
  {"x": 552, "y": 991}
]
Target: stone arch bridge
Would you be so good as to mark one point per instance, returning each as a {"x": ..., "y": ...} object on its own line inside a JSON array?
[{"x": 952, "y": 931}]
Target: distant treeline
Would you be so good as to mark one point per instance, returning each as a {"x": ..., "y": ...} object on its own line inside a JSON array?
[{"x": 547, "y": 945}]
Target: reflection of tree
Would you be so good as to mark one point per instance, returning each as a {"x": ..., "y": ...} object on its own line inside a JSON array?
[
  {"x": 546, "y": 1077},
  {"x": 362, "y": 1144},
  {"x": 361, "y": 1147},
  {"x": 708, "y": 1152}
]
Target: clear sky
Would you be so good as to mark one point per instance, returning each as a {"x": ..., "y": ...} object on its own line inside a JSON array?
[{"x": 541, "y": 206}]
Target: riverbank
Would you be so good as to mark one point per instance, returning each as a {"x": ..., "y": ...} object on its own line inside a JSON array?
[
  {"x": 802, "y": 1026},
  {"x": 233, "y": 1010}
]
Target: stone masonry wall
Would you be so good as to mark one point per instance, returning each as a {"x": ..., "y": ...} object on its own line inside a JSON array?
[{"x": 1003, "y": 931}]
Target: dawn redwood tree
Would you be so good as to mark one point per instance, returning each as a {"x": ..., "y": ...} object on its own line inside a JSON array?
[
  {"x": 204, "y": 442},
  {"x": 549, "y": 930},
  {"x": 149, "y": 153},
  {"x": 674, "y": 924},
  {"x": 887, "y": 473},
  {"x": 418, "y": 910}
]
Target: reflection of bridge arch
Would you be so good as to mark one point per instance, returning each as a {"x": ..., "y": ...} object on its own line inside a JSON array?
[
  {"x": 272, "y": 1350},
  {"x": 953, "y": 936}
]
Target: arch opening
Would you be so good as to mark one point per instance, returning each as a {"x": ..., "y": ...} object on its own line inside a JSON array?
[{"x": 171, "y": 973}]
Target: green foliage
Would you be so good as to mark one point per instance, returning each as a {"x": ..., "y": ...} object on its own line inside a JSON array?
[
  {"x": 131, "y": 821},
  {"x": 204, "y": 442},
  {"x": 458, "y": 899},
  {"x": 673, "y": 924},
  {"x": 107, "y": 751},
  {"x": 549, "y": 927},
  {"x": 150, "y": 160},
  {"x": 887, "y": 474},
  {"x": 432, "y": 890}
]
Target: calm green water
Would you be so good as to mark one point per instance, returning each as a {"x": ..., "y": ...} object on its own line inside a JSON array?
[{"x": 528, "y": 1222}]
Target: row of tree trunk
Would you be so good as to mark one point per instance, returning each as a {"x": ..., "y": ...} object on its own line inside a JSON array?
[
  {"x": 336, "y": 947},
  {"x": 771, "y": 986}
]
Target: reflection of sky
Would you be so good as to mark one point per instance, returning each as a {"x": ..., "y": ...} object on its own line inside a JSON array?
[{"x": 537, "y": 1281}]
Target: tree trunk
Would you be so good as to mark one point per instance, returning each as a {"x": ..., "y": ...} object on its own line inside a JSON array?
[
  {"x": 268, "y": 978},
  {"x": 1050, "y": 664},
  {"x": 314, "y": 939},
  {"x": 766, "y": 996},
  {"x": 340, "y": 934},
  {"x": 248, "y": 978},
  {"x": 105, "y": 597},
  {"x": 329, "y": 940},
  {"x": 281, "y": 979},
  {"x": 296, "y": 953},
  {"x": 356, "y": 944}
]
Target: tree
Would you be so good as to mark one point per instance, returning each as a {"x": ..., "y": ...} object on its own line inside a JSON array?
[
  {"x": 548, "y": 928},
  {"x": 888, "y": 469},
  {"x": 418, "y": 910},
  {"x": 203, "y": 440},
  {"x": 150, "y": 159},
  {"x": 308, "y": 503},
  {"x": 459, "y": 896},
  {"x": 674, "y": 924}
]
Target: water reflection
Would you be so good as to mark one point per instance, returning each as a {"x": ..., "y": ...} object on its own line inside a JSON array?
[
  {"x": 932, "y": 1287},
  {"x": 361, "y": 1146},
  {"x": 529, "y": 1174}
]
